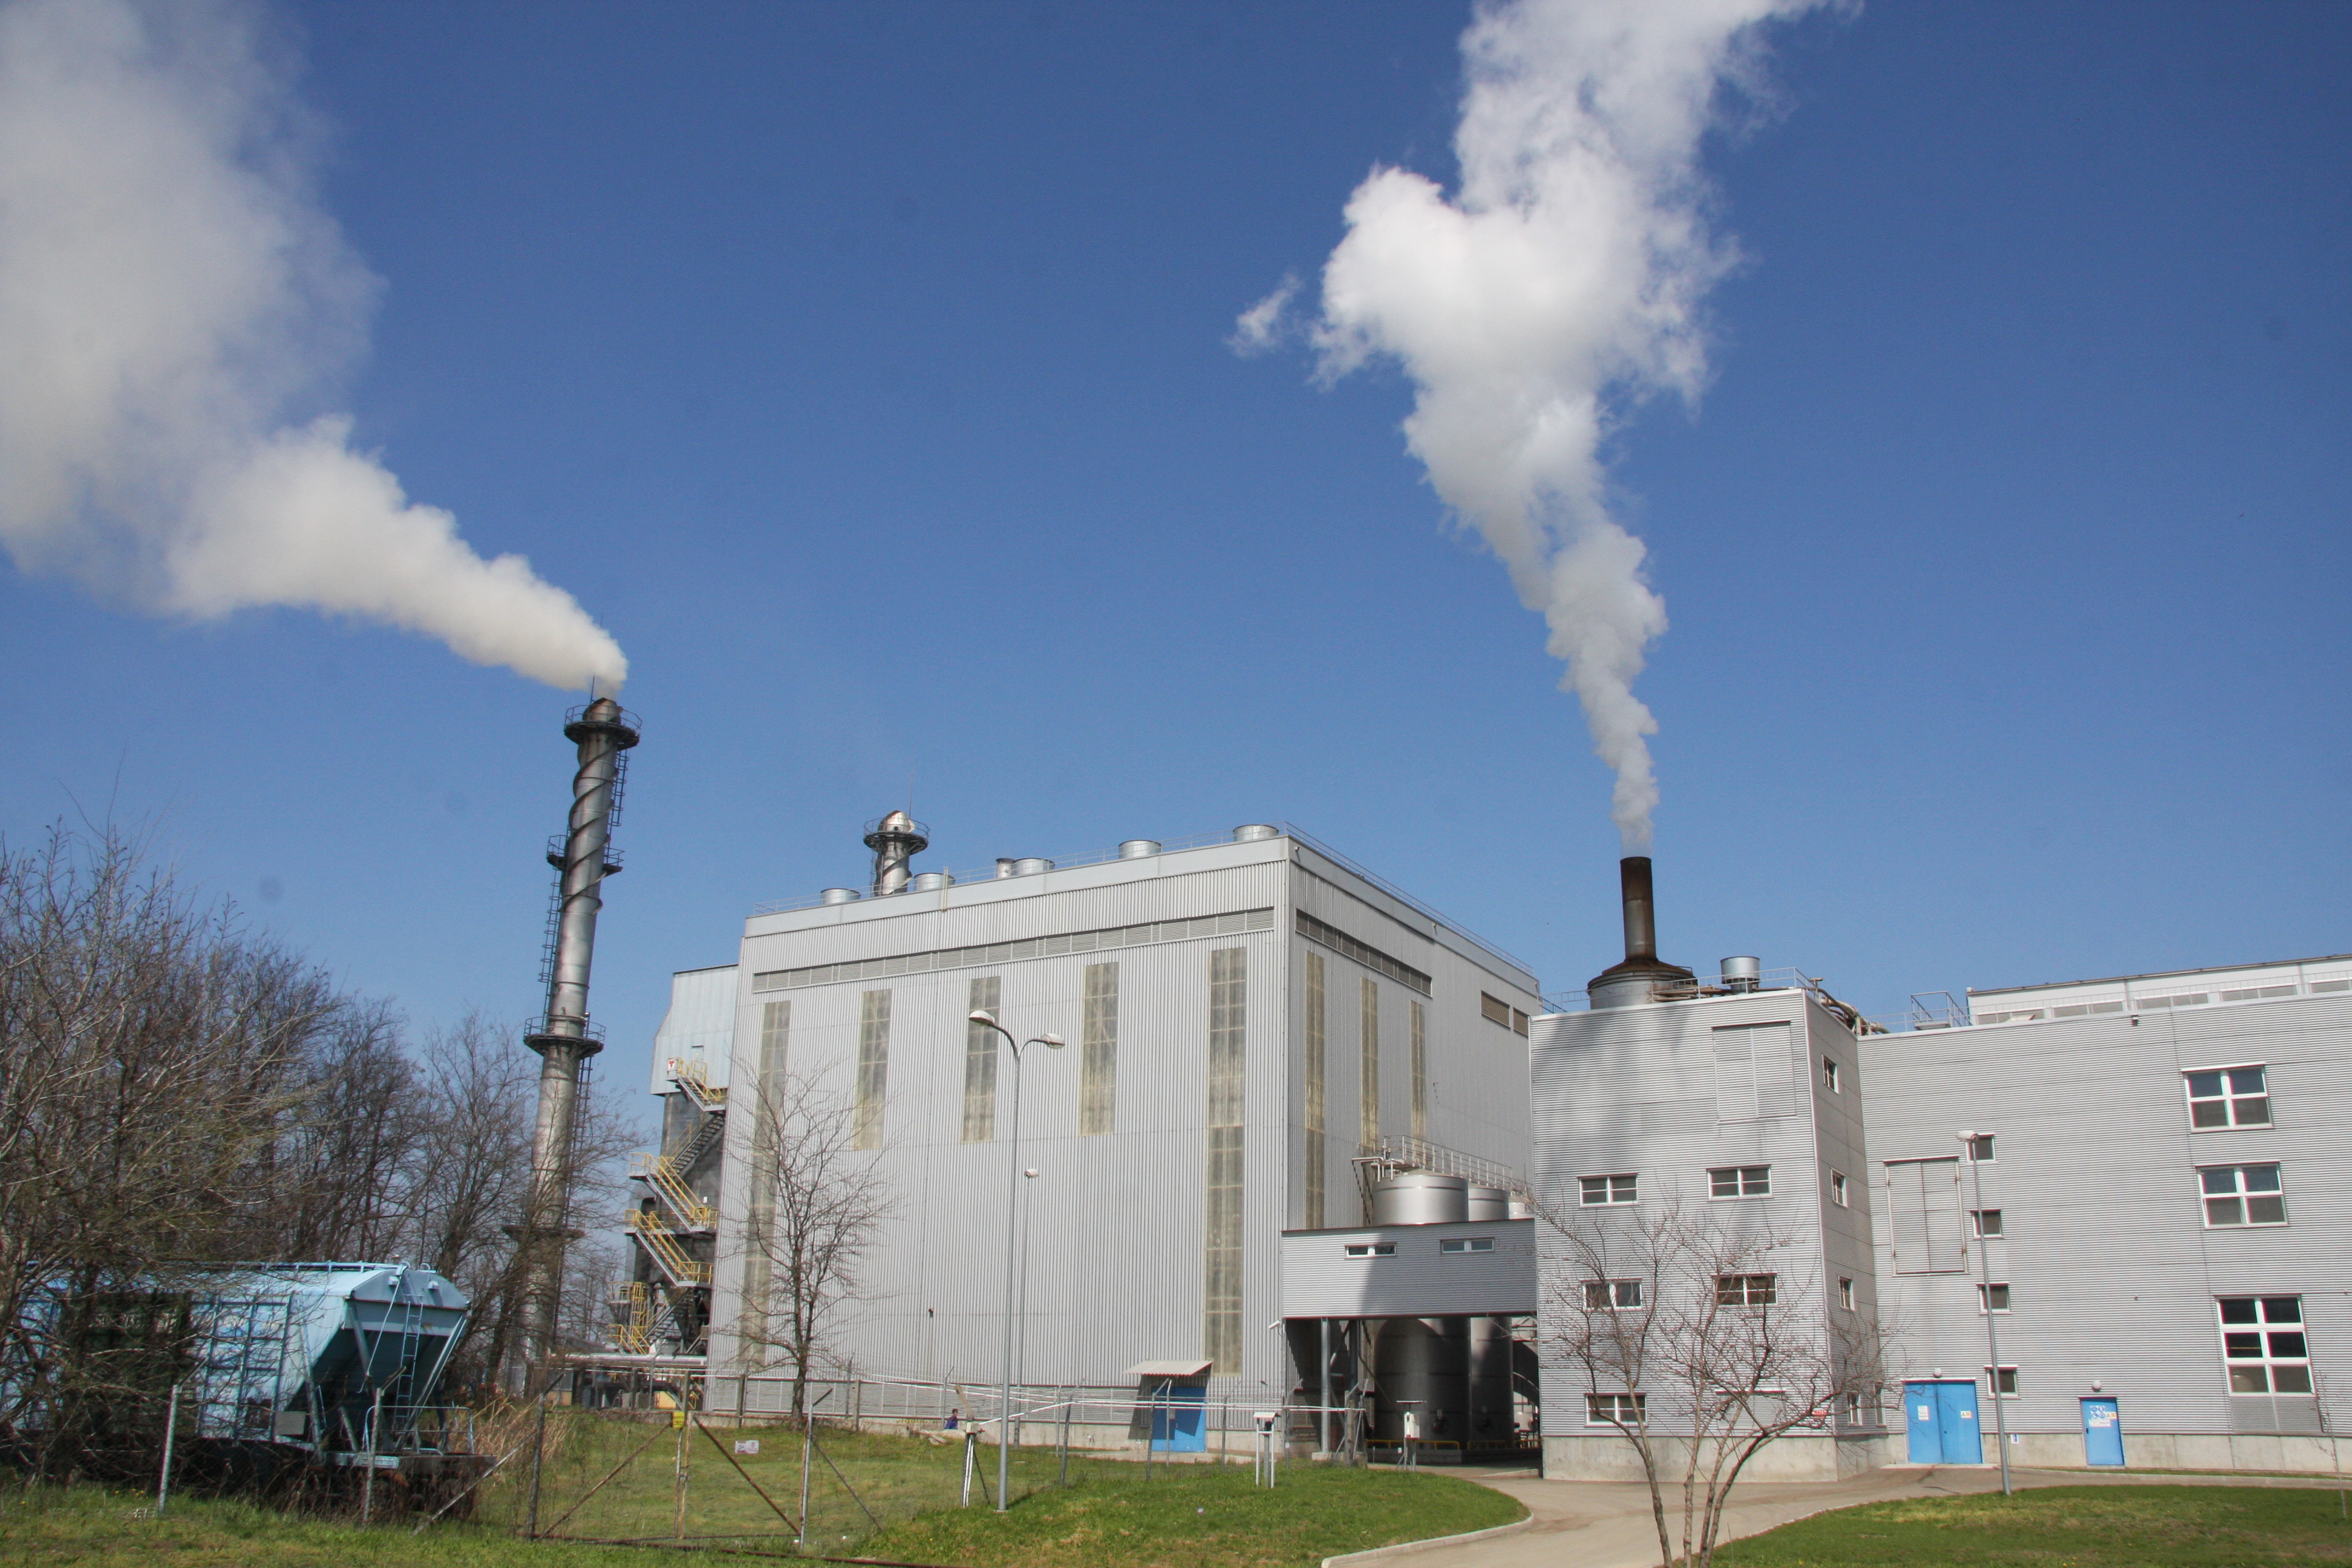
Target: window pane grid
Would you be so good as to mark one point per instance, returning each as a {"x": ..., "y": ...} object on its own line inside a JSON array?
[
  {"x": 1616, "y": 1189},
  {"x": 2242, "y": 1196},
  {"x": 1746, "y": 1290},
  {"x": 2229, "y": 1097},
  {"x": 1739, "y": 1182},
  {"x": 2263, "y": 1344}
]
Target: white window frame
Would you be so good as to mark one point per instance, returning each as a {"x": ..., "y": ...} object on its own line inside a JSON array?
[
  {"x": 1611, "y": 1195},
  {"x": 1982, "y": 1149},
  {"x": 1831, "y": 1075},
  {"x": 1997, "y": 1304},
  {"x": 1620, "y": 1295},
  {"x": 1845, "y": 1294},
  {"x": 2230, "y": 1097},
  {"x": 1838, "y": 1193},
  {"x": 1622, "y": 1409},
  {"x": 1977, "y": 1224},
  {"x": 1745, "y": 1289},
  {"x": 2242, "y": 1195},
  {"x": 2268, "y": 1363},
  {"x": 1740, "y": 1189},
  {"x": 1456, "y": 1246},
  {"x": 2008, "y": 1372},
  {"x": 1361, "y": 1250}
]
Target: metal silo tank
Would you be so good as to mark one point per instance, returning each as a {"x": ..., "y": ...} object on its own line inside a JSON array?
[
  {"x": 1489, "y": 1380},
  {"x": 1418, "y": 1197},
  {"x": 1489, "y": 1202},
  {"x": 1422, "y": 1365}
]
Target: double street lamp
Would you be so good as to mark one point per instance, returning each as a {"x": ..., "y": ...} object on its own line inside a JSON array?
[{"x": 986, "y": 1019}]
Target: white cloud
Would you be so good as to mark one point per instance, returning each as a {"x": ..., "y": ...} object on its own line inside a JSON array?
[
  {"x": 1561, "y": 283},
  {"x": 170, "y": 293}
]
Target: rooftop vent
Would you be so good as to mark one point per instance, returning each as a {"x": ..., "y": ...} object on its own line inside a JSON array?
[{"x": 1252, "y": 832}]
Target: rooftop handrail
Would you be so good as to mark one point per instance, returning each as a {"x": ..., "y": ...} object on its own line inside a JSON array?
[{"x": 1201, "y": 841}]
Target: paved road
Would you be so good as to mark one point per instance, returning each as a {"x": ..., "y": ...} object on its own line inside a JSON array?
[{"x": 1607, "y": 1524}]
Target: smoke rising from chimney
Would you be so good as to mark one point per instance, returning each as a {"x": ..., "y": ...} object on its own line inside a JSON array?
[
  {"x": 174, "y": 301},
  {"x": 1560, "y": 286}
]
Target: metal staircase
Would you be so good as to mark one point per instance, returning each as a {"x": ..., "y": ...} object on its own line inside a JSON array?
[
  {"x": 663, "y": 1245},
  {"x": 646, "y": 1313}
]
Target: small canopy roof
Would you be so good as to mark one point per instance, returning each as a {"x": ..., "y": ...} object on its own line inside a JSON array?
[{"x": 1168, "y": 1369}]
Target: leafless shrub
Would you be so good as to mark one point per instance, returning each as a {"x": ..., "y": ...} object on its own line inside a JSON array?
[
  {"x": 1700, "y": 1347},
  {"x": 816, "y": 1209}
]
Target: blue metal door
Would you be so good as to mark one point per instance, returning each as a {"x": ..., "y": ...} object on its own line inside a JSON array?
[
  {"x": 1919, "y": 1414},
  {"x": 1179, "y": 1420},
  {"x": 1955, "y": 1418},
  {"x": 1942, "y": 1419},
  {"x": 2103, "y": 1432}
]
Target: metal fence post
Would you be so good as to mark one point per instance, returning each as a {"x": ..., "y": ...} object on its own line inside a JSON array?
[
  {"x": 171, "y": 1425},
  {"x": 367, "y": 1487},
  {"x": 808, "y": 1437},
  {"x": 538, "y": 1456},
  {"x": 678, "y": 1486}
]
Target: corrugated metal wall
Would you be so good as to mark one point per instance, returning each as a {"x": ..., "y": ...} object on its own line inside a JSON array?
[{"x": 2112, "y": 1271}]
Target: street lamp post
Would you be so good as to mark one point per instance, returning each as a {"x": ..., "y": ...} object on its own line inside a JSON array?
[
  {"x": 984, "y": 1017},
  {"x": 1992, "y": 1336}
]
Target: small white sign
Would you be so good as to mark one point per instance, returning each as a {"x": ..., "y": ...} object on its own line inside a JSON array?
[{"x": 747, "y": 1445}]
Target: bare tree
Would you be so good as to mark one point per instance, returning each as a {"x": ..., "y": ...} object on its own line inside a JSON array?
[
  {"x": 148, "y": 1050},
  {"x": 816, "y": 1209},
  {"x": 1700, "y": 1347}
]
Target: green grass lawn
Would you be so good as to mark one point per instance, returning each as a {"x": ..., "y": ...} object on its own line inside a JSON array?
[
  {"x": 1198, "y": 1516},
  {"x": 2067, "y": 1527},
  {"x": 97, "y": 1528},
  {"x": 1109, "y": 1516}
]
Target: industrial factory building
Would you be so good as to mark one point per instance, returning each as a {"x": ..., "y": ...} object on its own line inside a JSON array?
[
  {"x": 1286, "y": 1135},
  {"x": 2153, "y": 1208},
  {"x": 2136, "y": 1185},
  {"x": 1258, "y": 1031}
]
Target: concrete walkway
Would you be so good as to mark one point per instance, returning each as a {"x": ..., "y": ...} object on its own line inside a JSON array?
[{"x": 1607, "y": 1524}]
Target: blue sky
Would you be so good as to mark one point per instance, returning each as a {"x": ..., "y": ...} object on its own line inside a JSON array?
[{"x": 862, "y": 369}]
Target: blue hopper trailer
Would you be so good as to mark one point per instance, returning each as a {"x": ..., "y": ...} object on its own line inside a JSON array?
[{"x": 268, "y": 1375}]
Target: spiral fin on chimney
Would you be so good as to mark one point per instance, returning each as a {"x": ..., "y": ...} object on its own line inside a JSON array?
[
  {"x": 564, "y": 1039},
  {"x": 1643, "y": 972},
  {"x": 896, "y": 839}
]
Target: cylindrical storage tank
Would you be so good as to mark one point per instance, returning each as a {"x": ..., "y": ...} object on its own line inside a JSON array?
[
  {"x": 1490, "y": 1380},
  {"x": 1422, "y": 1365},
  {"x": 1004, "y": 865},
  {"x": 933, "y": 881},
  {"x": 1029, "y": 866},
  {"x": 1139, "y": 849},
  {"x": 1251, "y": 832},
  {"x": 1489, "y": 1202},
  {"x": 1520, "y": 1208},
  {"x": 1745, "y": 973},
  {"x": 1418, "y": 1197},
  {"x": 838, "y": 896}
]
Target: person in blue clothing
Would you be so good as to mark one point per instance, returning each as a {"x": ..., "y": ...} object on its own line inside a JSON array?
[{"x": 950, "y": 1424}]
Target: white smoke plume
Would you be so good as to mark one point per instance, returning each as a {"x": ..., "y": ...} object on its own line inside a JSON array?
[
  {"x": 1561, "y": 284},
  {"x": 173, "y": 303}
]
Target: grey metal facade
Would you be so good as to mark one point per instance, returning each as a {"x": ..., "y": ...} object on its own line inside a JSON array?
[
  {"x": 1665, "y": 1091},
  {"x": 1120, "y": 1221},
  {"x": 2114, "y": 1272}
]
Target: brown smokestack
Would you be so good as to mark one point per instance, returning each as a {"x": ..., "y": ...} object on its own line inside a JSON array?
[
  {"x": 1639, "y": 978},
  {"x": 1641, "y": 914}
]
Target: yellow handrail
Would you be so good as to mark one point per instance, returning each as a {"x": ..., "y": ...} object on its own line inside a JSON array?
[
  {"x": 662, "y": 1243},
  {"x": 660, "y": 1172}
]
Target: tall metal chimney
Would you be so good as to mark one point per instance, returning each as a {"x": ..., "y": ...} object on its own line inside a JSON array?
[
  {"x": 563, "y": 1039},
  {"x": 1633, "y": 981},
  {"x": 894, "y": 840}
]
